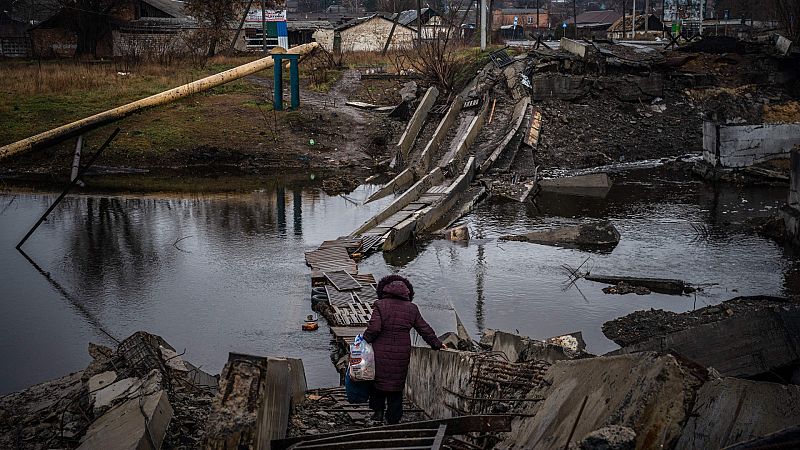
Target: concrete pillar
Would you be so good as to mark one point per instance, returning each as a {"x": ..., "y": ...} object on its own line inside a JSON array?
[
  {"x": 277, "y": 82},
  {"x": 294, "y": 81},
  {"x": 484, "y": 21}
]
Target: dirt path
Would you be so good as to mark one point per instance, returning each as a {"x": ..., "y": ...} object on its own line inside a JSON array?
[{"x": 363, "y": 132}]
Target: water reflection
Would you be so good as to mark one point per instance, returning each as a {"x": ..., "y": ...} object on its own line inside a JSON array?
[
  {"x": 210, "y": 273},
  {"x": 660, "y": 215},
  {"x": 220, "y": 273}
]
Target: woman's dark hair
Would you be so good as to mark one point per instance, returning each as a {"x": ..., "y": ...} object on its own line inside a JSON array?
[{"x": 388, "y": 279}]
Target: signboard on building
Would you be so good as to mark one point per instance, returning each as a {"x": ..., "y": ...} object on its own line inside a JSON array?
[
  {"x": 270, "y": 15},
  {"x": 274, "y": 20}
]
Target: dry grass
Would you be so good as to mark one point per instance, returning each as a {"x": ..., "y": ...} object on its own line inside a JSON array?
[
  {"x": 788, "y": 112},
  {"x": 64, "y": 77}
]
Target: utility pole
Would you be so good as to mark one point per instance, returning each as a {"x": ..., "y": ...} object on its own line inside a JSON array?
[
  {"x": 263, "y": 27},
  {"x": 575, "y": 20},
  {"x": 483, "y": 23},
  {"x": 537, "y": 17},
  {"x": 646, "y": 16},
  {"x": 623, "y": 19},
  {"x": 633, "y": 21},
  {"x": 419, "y": 23},
  {"x": 701, "y": 17}
]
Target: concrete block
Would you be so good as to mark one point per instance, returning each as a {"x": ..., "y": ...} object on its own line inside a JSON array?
[
  {"x": 413, "y": 193},
  {"x": 741, "y": 346},
  {"x": 398, "y": 184},
  {"x": 522, "y": 348},
  {"x": 124, "y": 427},
  {"x": 794, "y": 179},
  {"x": 575, "y": 47},
  {"x": 644, "y": 392},
  {"x": 563, "y": 87},
  {"x": 434, "y": 371},
  {"x": 598, "y": 235},
  {"x": 100, "y": 381},
  {"x": 783, "y": 45},
  {"x": 592, "y": 180},
  {"x": 417, "y": 120},
  {"x": 731, "y": 410},
  {"x": 440, "y": 133},
  {"x": 734, "y": 146},
  {"x": 105, "y": 396}
]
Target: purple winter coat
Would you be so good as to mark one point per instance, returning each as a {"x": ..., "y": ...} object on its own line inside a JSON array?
[{"x": 393, "y": 317}]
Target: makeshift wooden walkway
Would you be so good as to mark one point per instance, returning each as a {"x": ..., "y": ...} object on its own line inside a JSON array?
[{"x": 350, "y": 295}]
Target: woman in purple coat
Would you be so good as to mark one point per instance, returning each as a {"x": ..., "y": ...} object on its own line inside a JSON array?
[{"x": 393, "y": 317}]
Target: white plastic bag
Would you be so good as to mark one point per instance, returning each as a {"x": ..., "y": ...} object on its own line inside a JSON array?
[{"x": 362, "y": 360}]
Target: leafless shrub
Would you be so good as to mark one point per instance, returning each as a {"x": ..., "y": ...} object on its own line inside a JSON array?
[{"x": 437, "y": 56}]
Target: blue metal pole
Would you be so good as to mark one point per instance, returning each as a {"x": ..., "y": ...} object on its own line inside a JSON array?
[
  {"x": 294, "y": 82},
  {"x": 278, "y": 82}
]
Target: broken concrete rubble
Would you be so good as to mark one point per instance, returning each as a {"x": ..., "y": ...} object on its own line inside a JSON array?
[
  {"x": 648, "y": 393},
  {"x": 127, "y": 407},
  {"x": 613, "y": 437},
  {"x": 139, "y": 423},
  {"x": 254, "y": 401},
  {"x": 736, "y": 146},
  {"x": 593, "y": 235},
  {"x": 521, "y": 348},
  {"x": 729, "y": 410},
  {"x": 763, "y": 341}
]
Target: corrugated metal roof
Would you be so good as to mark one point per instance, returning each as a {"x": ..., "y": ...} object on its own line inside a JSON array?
[
  {"x": 409, "y": 16},
  {"x": 522, "y": 11},
  {"x": 607, "y": 16},
  {"x": 361, "y": 20},
  {"x": 174, "y": 8},
  {"x": 297, "y": 25}
]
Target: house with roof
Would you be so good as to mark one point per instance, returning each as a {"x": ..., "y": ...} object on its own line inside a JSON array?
[
  {"x": 647, "y": 27},
  {"x": 366, "y": 34},
  {"x": 145, "y": 25},
  {"x": 14, "y": 39},
  {"x": 594, "y": 24},
  {"x": 521, "y": 17}
]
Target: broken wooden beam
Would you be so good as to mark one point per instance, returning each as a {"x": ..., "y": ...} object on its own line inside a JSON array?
[{"x": 660, "y": 285}]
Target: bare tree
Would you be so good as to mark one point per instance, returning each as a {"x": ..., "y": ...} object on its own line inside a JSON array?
[
  {"x": 437, "y": 57},
  {"x": 788, "y": 13},
  {"x": 213, "y": 17}
]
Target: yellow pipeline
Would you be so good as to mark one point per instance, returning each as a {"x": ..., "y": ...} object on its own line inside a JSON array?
[{"x": 56, "y": 135}]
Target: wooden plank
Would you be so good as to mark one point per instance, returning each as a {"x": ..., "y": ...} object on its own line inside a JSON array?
[
  {"x": 332, "y": 266},
  {"x": 342, "y": 280},
  {"x": 437, "y": 441},
  {"x": 455, "y": 426},
  {"x": 345, "y": 332},
  {"x": 393, "y": 443},
  {"x": 534, "y": 131},
  {"x": 338, "y": 298},
  {"x": 273, "y": 413},
  {"x": 368, "y": 434},
  {"x": 366, "y": 279}
]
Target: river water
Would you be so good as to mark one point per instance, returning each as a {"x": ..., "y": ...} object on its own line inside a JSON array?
[{"x": 215, "y": 273}]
